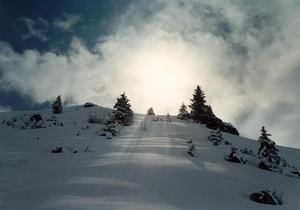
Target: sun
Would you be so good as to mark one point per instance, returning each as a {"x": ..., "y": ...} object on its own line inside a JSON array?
[{"x": 161, "y": 78}]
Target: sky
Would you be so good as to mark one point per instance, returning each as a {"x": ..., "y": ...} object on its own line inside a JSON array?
[{"x": 244, "y": 55}]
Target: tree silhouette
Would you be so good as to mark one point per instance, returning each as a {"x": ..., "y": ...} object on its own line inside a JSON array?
[
  {"x": 56, "y": 106},
  {"x": 150, "y": 111},
  {"x": 198, "y": 107},
  {"x": 183, "y": 113}
]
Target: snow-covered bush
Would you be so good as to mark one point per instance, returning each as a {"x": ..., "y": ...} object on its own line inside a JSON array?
[
  {"x": 216, "y": 137},
  {"x": 35, "y": 121},
  {"x": 26, "y": 121},
  {"x": 191, "y": 150},
  {"x": 98, "y": 117},
  {"x": 75, "y": 150},
  {"x": 233, "y": 156},
  {"x": 110, "y": 129}
]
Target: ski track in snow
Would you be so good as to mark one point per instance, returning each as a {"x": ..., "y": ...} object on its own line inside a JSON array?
[{"x": 139, "y": 169}]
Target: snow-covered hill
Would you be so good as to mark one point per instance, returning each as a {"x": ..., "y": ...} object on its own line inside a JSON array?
[{"x": 145, "y": 167}]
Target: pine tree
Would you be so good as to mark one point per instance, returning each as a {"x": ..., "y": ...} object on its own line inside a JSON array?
[
  {"x": 56, "y": 106},
  {"x": 216, "y": 137},
  {"x": 109, "y": 129},
  {"x": 183, "y": 113},
  {"x": 202, "y": 113},
  {"x": 123, "y": 113},
  {"x": 150, "y": 111},
  {"x": 191, "y": 150},
  {"x": 267, "y": 150},
  {"x": 198, "y": 107},
  {"x": 209, "y": 112}
]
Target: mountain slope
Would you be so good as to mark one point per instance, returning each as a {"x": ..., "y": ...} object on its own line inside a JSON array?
[{"x": 139, "y": 169}]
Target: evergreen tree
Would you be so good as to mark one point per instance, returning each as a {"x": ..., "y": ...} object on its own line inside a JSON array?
[
  {"x": 216, "y": 137},
  {"x": 150, "y": 111},
  {"x": 109, "y": 129},
  {"x": 198, "y": 107},
  {"x": 267, "y": 150},
  {"x": 183, "y": 113},
  {"x": 191, "y": 150},
  {"x": 56, "y": 106},
  {"x": 209, "y": 112},
  {"x": 202, "y": 113},
  {"x": 123, "y": 113},
  {"x": 228, "y": 127}
]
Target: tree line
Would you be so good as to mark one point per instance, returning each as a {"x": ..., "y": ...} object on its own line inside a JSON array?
[
  {"x": 122, "y": 112},
  {"x": 202, "y": 113}
]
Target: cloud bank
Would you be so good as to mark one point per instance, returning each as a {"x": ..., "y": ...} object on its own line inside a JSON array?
[{"x": 245, "y": 55}]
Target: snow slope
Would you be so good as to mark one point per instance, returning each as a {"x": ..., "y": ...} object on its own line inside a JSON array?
[{"x": 145, "y": 167}]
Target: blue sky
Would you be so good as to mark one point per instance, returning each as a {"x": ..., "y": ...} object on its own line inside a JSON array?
[
  {"x": 244, "y": 54},
  {"x": 90, "y": 18}
]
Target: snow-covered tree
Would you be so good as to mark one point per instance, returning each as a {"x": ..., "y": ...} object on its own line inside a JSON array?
[
  {"x": 109, "y": 129},
  {"x": 216, "y": 137},
  {"x": 198, "y": 108},
  {"x": 123, "y": 113},
  {"x": 233, "y": 157},
  {"x": 267, "y": 150},
  {"x": 191, "y": 150},
  {"x": 56, "y": 106},
  {"x": 150, "y": 111},
  {"x": 183, "y": 113}
]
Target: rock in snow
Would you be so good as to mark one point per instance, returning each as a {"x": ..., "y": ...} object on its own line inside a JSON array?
[{"x": 266, "y": 197}]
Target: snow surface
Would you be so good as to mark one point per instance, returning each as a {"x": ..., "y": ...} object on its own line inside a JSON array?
[{"x": 145, "y": 167}]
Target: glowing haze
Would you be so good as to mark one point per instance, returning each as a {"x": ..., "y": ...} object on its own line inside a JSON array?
[{"x": 244, "y": 54}]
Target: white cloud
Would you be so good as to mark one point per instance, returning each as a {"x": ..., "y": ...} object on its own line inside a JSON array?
[
  {"x": 36, "y": 28},
  {"x": 66, "y": 22},
  {"x": 244, "y": 55}
]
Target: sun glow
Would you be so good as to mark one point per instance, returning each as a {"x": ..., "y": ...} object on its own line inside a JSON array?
[{"x": 162, "y": 77}]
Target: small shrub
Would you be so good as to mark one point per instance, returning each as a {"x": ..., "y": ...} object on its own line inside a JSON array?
[
  {"x": 88, "y": 104},
  {"x": 191, "y": 150},
  {"x": 99, "y": 118},
  {"x": 57, "y": 150}
]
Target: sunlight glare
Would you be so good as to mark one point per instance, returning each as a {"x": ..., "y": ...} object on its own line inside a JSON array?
[{"x": 158, "y": 73}]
